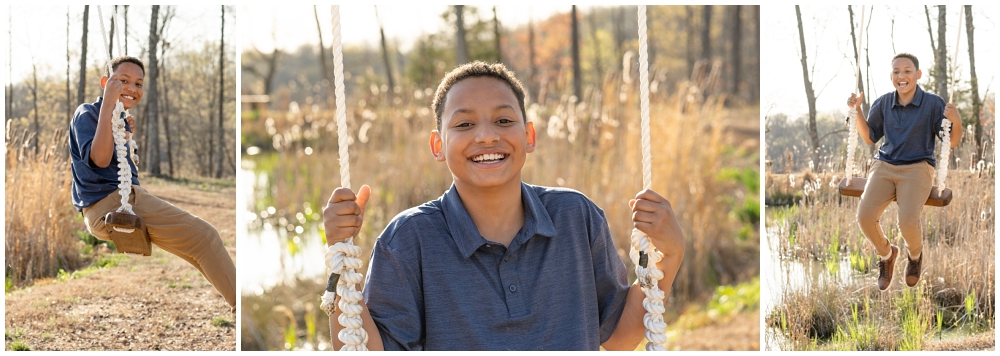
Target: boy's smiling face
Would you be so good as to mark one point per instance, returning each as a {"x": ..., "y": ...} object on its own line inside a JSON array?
[
  {"x": 130, "y": 76},
  {"x": 904, "y": 75},
  {"x": 483, "y": 137}
]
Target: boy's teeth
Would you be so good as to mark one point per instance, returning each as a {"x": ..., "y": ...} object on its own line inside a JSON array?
[{"x": 488, "y": 157}]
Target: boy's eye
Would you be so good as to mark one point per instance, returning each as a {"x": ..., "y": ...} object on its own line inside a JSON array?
[
  {"x": 505, "y": 120},
  {"x": 463, "y": 124}
]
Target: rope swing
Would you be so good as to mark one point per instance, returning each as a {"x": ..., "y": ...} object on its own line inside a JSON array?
[
  {"x": 642, "y": 253},
  {"x": 344, "y": 258},
  {"x": 126, "y": 229},
  {"x": 849, "y": 186}
]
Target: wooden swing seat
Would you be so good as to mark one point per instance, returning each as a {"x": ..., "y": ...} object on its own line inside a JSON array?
[
  {"x": 128, "y": 233},
  {"x": 857, "y": 186}
]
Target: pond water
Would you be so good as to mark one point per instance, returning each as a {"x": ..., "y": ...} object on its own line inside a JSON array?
[{"x": 271, "y": 252}]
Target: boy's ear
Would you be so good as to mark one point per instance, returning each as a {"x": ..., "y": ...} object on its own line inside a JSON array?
[
  {"x": 436, "y": 144},
  {"x": 529, "y": 130},
  {"x": 104, "y": 81},
  {"x": 920, "y": 73}
]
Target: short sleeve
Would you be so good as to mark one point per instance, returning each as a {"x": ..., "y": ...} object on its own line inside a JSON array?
[
  {"x": 938, "y": 119},
  {"x": 394, "y": 296},
  {"x": 609, "y": 274},
  {"x": 876, "y": 119},
  {"x": 84, "y": 129}
]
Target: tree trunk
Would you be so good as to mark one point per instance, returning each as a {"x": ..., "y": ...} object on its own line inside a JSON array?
[
  {"x": 168, "y": 135},
  {"x": 81, "y": 86},
  {"x": 575, "y": 47},
  {"x": 125, "y": 32},
  {"x": 810, "y": 95},
  {"x": 689, "y": 34},
  {"x": 974, "y": 82},
  {"x": 152, "y": 110},
  {"x": 69, "y": 99},
  {"x": 111, "y": 34},
  {"x": 461, "y": 51},
  {"x": 385, "y": 55},
  {"x": 865, "y": 104},
  {"x": 496, "y": 35},
  {"x": 532, "y": 69},
  {"x": 734, "y": 51},
  {"x": 755, "y": 55},
  {"x": 322, "y": 49},
  {"x": 706, "y": 32},
  {"x": 941, "y": 75},
  {"x": 34, "y": 105},
  {"x": 930, "y": 30},
  {"x": 220, "y": 145},
  {"x": 598, "y": 67}
]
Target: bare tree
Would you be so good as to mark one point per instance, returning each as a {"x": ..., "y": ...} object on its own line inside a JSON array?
[
  {"x": 322, "y": 49},
  {"x": 706, "y": 32},
  {"x": 575, "y": 48},
  {"x": 598, "y": 68},
  {"x": 532, "y": 69},
  {"x": 220, "y": 145},
  {"x": 461, "y": 49},
  {"x": 8, "y": 109},
  {"x": 496, "y": 35},
  {"x": 385, "y": 54},
  {"x": 689, "y": 33},
  {"x": 34, "y": 104},
  {"x": 152, "y": 111},
  {"x": 111, "y": 33},
  {"x": 125, "y": 32},
  {"x": 974, "y": 81},
  {"x": 69, "y": 103},
  {"x": 941, "y": 74},
  {"x": 81, "y": 88},
  {"x": 810, "y": 94},
  {"x": 865, "y": 104},
  {"x": 734, "y": 51}
]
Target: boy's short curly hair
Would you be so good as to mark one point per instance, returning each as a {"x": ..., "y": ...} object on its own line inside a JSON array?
[
  {"x": 127, "y": 59},
  {"x": 476, "y": 69},
  {"x": 910, "y": 56}
]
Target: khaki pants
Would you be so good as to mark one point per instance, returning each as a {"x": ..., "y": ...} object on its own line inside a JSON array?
[
  {"x": 175, "y": 231},
  {"x": 909, "y": 185}
]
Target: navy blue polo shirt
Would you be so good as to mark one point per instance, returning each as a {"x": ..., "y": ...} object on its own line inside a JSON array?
[
  {"x": 910, "y": 131},
  {"x": 90, "y": 182},
  {"x": 434, "y": 283}
]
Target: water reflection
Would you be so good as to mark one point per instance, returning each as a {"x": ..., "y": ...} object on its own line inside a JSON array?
[{"x": 275, "y": 245}]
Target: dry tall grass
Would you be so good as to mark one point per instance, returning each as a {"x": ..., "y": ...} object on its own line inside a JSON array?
[
  {"x": 820, "y": 230},
  {"x": 591, "y": 146},
  {"x": 40, "y": 221}
]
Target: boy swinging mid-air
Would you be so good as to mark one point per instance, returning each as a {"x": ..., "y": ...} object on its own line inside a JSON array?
[
  {"x": 95, "y": 184},
  {"x": 909, "y": 119},
  {"x": 495, "y": 263}
]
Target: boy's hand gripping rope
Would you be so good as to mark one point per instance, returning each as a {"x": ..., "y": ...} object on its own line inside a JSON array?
[
  {"x": 344, "y": 258},
  {"x": 118, "y": 131},
  {"x": 643, "y": 255}
]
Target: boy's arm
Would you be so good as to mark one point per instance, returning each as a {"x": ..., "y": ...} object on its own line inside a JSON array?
[
  {"x": 860, "y": 121},
  {"x": 103, "y": 145},
  {"x": 651, "y": 214},
  {"x": 951, "y": 113},
  {"x": 342, "y": 219}
]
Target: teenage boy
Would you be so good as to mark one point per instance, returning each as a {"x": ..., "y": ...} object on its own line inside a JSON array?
[
  {"x": 909, "y": 119},
  {"x": 494, "y": 263},
  {"x": 95, "y": 184}
]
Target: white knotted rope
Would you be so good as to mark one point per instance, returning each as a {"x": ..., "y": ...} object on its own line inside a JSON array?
[
  {"x": 942, "y": 168},
  {"x": 344, "y": 258},
  {"x": 648, "y": 275},
  {"x": 852, "y": 123},
  {"x": 118, "y": 131}
]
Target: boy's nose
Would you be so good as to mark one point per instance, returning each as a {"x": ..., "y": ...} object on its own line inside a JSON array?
[{"x": 487, "y": 134}]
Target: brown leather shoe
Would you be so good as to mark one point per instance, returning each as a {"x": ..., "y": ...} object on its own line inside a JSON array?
[
  {"x": 913, "y": 270},
  {"x": 885, "y": 269}
]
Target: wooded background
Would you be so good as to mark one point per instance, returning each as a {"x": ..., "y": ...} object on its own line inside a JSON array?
[
  {"x": 570, "y": 53},
  {"x": 186, "y": 117}
]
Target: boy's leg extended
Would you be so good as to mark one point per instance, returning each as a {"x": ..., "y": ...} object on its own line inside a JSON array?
[
  {"x": 879, "y": 192},
  {"x": 189, "y": 237},
  {"x": 912, "y": 191}
]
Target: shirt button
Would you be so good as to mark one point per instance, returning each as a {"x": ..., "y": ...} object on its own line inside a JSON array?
[{"x": 513, "y": 288}]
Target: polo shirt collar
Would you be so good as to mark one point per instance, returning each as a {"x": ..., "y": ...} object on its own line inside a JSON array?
[
  {"x": 467, "y": 237},
  {"x": 918, "y": 97}
]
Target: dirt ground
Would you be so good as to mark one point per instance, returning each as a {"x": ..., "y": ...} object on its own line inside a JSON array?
[
  {"x": 145, "y": 303},
  {"x": 741, "y": 333}
]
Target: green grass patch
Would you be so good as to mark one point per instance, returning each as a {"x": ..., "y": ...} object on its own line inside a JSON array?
[
  {"x": 222, "y": 322},
  {"x": 18, "y": 345},
  {"x": 729, "y": 300}
]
